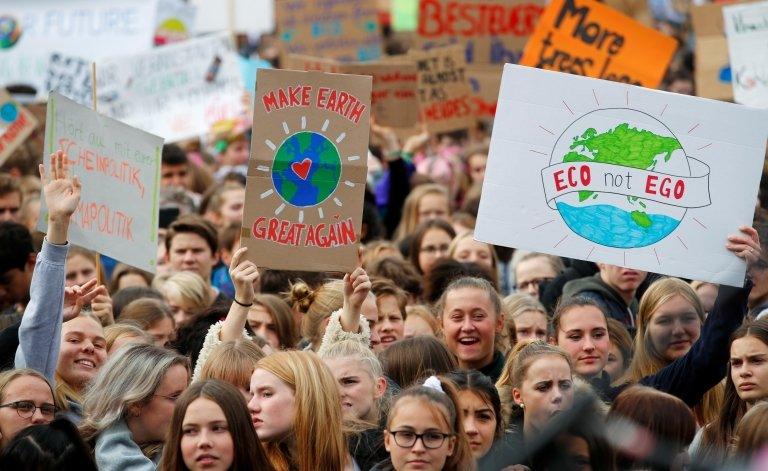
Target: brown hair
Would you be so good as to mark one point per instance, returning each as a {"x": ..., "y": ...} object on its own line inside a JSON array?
[
  {"x": 446, "y": 403},
  {"x": 6, "y": 377},
  {"x": 144, "y": 313},
  {"x": 516, "y": 367},
  {"x": 76, "y": 250},
  {"x": 117, "y": 331},
  {"x": 717, "y": 435},
  {"x": 287, "y": 331},
  {"x": 373, "y": 252},
  {"x": 401, "y": 272},
  {"x": 666, "y": 417},
  {"x": 409, "y": 360},
  {"x": 425, "y": 313},
  {"x": 193, "y": 224},
  {"x": 383, "y": 287},
  {"x": 214, "y": 197},
  {"x": 566, "y": 305},
  {"x": 121, "y": 270},
  {"x": 619, "y": 336},
  {"x": 410, "y": 217},
  {"x": 9, "y": 185},
  {"x": 471, "y": 282},
  {"x": 515, "y": 305},
  {"x": 418, "y": 236},
  {"x": 232, "y": 362},
  {"x": 316, "y": 305},
  {"x": 751, "y": 435},
  {"x": 228, "y": 235},
  {"x": 248, "y": 452}
]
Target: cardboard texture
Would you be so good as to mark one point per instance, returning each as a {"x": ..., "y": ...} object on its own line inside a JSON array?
[
  {"x": 119, "y": 167},
  {"x": 346, "y": 30},
  {"x": 585, "y": 37},
  {"x": 485, "y": 82},
  {"x": 746, "y": 27},
  {"x": 609, "y": 172},
  {"x": 177, "y": 91},
  {"x": 394, "y": 99},
  {"x": 16, "y": 123},
  {"x": 92, "y": 29},
  {"x": 444, "y": 91},
  {"x": 712, "y": 67},
  {"x": 491, "y": 31},
  {"x": 307, "y": 172}
]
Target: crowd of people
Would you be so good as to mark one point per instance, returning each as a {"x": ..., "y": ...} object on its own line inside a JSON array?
[{"x": 436, "y": 352}]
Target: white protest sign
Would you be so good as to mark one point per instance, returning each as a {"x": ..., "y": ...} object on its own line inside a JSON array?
[
  {"x": 70, "y": 76},
  {"x": 31, "y": 30},
  {"x": 746, "y": 27},
  {"x": 176, "y": 91},
  {"x": 119, "y": 167},
  {"x": 608, "y": 172},
  {"x": 242, "y": 16},
  {"x": 175, "y": 21}
]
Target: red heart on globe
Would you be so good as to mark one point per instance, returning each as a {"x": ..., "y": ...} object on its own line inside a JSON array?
[{"x": 301, "y": 169}]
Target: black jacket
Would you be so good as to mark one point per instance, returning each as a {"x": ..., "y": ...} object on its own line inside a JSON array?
[{"x": 595, "y": 288}]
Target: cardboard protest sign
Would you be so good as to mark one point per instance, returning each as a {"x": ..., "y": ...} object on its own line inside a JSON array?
[
  {"x": 485, "y": 82},
  {"x": 175, "y": 22},
  {"x": 492, "y": 31},
  {"x": 16, "y": 123},
  {"x": 712, "y": 67},
  {"x": 119, "y": 167},
  {"x": 307, "y": 172},
  {"x": 394, "y": 99},
  {"x": 241, "y": 16},
  {"x": 176, "y": 91},
  {"x": 444, "y": 91},
  {"x": 92, "y": 29},
  {"x": 585, "y": 37},
  {"x": 346, "y": 30},
  {"x": 70, "y": 76},
  {"x": 310, "y": 63},
  {"x": 609, "y": 172},
  {"x": 746, "y": 27}
]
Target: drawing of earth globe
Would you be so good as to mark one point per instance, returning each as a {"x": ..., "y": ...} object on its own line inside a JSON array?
[
  {"x": 10, "y": 31},
  {"x": 306, "y": 169},
  {"x": 625, "y": 138}
]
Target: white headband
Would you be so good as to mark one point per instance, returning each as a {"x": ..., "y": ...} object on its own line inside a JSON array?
[{"x": 433, "y": 383}]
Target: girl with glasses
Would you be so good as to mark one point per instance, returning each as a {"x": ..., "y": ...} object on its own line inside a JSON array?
[
  {"x": 425, "y": 431},
  {"x": 26, "y": 398}
]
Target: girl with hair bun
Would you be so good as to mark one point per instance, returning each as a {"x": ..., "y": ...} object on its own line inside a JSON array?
[{"x": 425, "y": 430}]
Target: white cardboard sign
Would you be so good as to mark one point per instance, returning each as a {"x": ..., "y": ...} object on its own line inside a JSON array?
[
  {"x": 176, "y": 91},
  {"x": 119, "y": 167},
  {"x": 603, "y": 171},
  {"x": 746, "y": 27},
  {"x": 31, "y": 30}
]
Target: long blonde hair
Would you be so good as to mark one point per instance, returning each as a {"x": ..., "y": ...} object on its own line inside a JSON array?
[
  {"x": 410, "y": 217},
  {"x": 317, "y": 425},
  {"x": 648, "y": 361}
]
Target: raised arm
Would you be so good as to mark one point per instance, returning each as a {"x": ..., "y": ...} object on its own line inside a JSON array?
[
  {"x": 244, "y": 274},
  {"x": 692, "y": 375},
  {"x": 40, "y": 330},
  {"x": 357, "y": 285}
]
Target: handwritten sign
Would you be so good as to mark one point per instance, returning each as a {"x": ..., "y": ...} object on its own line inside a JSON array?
[
  {"x": 310, "y": 63},
  {"x": 585, "y": 37},
  {"x": 175, "y": 21},
  {"x": 16, "y": 123},
  {"x": 119, "y": 167},
  {"x": 176, "y": 91},
  {"x": 444, "y": 91},
  {"x": 70, "y": 76},
  {"x": 485, "y": 82},
  {"x": 609, "y": 172},
  {"x": 307, "y": 173},
  {"x": 242, "y": 16},
  {"x": 492, "y": 31},
  {"x": 746, "y": 27},
  {"x": 712, "y": 66},
  {"x": 31, "y": 30},
  {"x": 346, "y": 30}
]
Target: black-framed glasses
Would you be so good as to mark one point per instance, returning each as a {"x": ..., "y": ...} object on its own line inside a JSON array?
[
  {"x": 26, "y": 409},
  {"x": 430, "y": 440}
]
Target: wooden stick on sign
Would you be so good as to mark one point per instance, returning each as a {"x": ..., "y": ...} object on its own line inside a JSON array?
[{"x": 99, "y": 271}]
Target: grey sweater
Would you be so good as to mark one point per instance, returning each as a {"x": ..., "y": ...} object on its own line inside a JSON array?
[
  {"x": 40, "y": 330},
  {"x": 115, "y": 450}
]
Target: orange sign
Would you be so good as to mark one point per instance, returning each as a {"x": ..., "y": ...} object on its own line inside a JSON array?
[{"x": 585, "y": 37}]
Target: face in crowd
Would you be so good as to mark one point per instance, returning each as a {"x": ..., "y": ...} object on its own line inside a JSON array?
[
  {"x": 469, "y": 250},
  {"x": 206, "y": 442},
  {"x": 479, "y": 420},
  {"x": 83, "y": 350},
  {"x": 358, "y": 387},
  {"x": 673, "y": 328},
  {"x": 434, "y": 245},
  {"x": 272, "y": 406},
  {"x": 530, "y": 273},
  {"x": 546, "y": 390},
  {"x": 583, "y": 334},
  {"x": 26, "y": 400},
  {"x": 190, "y": 252},
  {"x": 390, "y": 325},
  {"x": 470, "y": 323},
  {"x": 530, "y": 325},
  {"x": 749, "y": 368},
  {"x": 623, "y": 280},
  {"x": 418, "y": 435}
]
